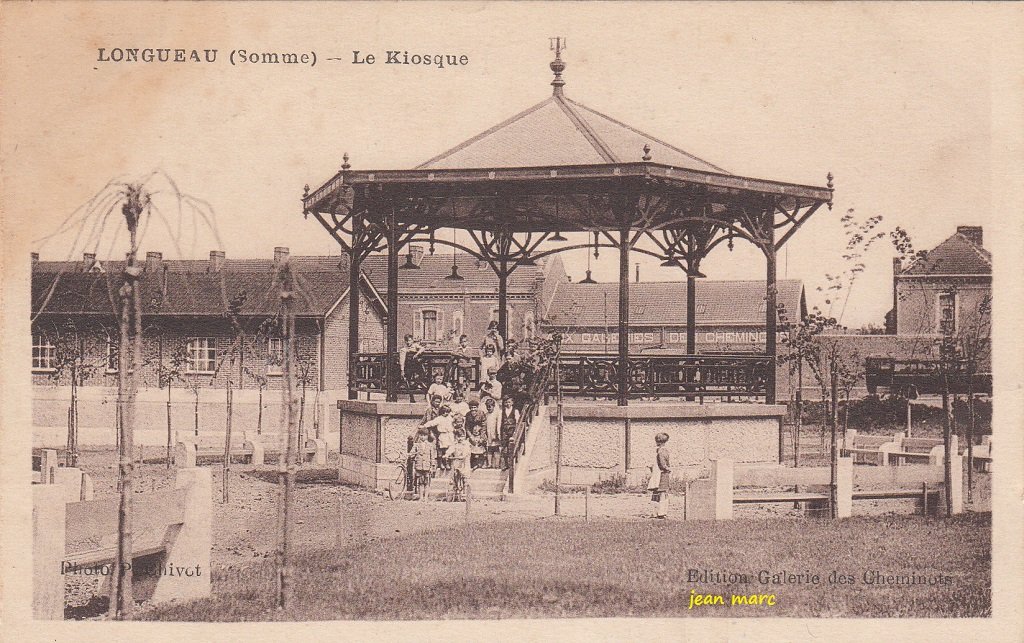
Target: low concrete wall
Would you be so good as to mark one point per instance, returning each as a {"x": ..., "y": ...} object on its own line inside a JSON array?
[
  {"x": 374, "y": 437},
  {"x": 97, "y": 412},
  {"x": 599, "y": 441}
]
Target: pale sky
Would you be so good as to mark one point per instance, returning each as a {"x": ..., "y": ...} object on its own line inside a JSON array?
[{"x": 895, "y": 101}]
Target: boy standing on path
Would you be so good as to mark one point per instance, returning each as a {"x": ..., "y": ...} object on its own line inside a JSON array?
[{"x": 660, "y": 495}]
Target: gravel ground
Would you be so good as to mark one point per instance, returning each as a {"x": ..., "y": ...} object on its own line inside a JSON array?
[{"x": 245, "y": 528}]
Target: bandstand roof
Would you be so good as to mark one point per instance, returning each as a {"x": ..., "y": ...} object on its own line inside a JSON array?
[
  {"x": 562, "y": 166},
  {"x": 559, "y": 131}
]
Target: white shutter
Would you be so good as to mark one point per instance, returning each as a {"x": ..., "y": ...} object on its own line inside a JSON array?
[
  {"x": 440, "y": 326},
  {"x": 457, "y": 324},
  {"x": 417, "y": 330}
]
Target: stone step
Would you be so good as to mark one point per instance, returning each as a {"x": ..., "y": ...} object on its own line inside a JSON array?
[
  {"x": 484, "y": 483},
  {"x": 441, "y": 493}
]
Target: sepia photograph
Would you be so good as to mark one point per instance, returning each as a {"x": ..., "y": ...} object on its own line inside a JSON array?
[{"x": 493, "y": 313}]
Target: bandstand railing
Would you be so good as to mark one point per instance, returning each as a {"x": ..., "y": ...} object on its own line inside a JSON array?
[
  {"x": 371, "y": 371},
  {"x": 596, "y": 375}
]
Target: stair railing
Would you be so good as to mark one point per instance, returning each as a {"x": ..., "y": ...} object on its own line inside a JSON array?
[{"x": 536, "y": 392}]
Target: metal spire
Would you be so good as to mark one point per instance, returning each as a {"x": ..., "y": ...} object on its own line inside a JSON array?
[{"x": 557, "y": 66}]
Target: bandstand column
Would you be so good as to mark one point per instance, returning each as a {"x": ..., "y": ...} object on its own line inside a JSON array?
[
  {"x": 623, "y": 370},
  {"x": 503, "y": 299},
  {"x": 691, "y": 323},
  {"x": 771, "y": 304},
  {"x": 691, "y": 314},
  {"x": 392, "y": 326},
  {"x": 353, "y": 305}
]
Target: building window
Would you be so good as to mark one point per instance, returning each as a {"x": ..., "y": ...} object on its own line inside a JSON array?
[
  {"x": 429, "y": 318},
  {"x": 275, "y": 355},
  {"x": 947, "y": 313},
  {"x": 112, "y": 354},
  {"x": 44, "y": 353},
  {"x": 202, "y": 355}
]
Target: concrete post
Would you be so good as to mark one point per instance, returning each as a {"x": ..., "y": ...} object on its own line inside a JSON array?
[
  {"x": 188, "y": 556},
  {"x": 722, "y": 480},
  {"x": 48, "y": 466},
  {"x": 185, "y": 455},
  {"x": 339, "y": 537},
  {"x": 252, "y": 441},
  {"x": 48, "y": 536},
  {"x": 844, "y": 488},
  {"x": 956, "y": 487},
  {"x": 71, "y": 480},
  {"x": 319, "y": 451}
]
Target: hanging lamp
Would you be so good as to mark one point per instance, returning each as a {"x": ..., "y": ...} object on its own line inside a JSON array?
[{"x": 455, "y": 276}]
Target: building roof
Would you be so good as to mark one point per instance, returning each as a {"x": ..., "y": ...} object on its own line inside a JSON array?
[
  {"x": 190, "y": 288},
  {"x": 663, "y": 303},
  {"x": 957, "y": 255},
  {"x": 182, "y": 292},
  {"x": 560, "y": 131}
]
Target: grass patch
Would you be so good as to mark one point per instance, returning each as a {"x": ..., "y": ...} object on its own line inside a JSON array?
[{"x": 563, "y": 567}]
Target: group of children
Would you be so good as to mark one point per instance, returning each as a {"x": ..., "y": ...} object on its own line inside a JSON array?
[{"x": 460, "y": 434}]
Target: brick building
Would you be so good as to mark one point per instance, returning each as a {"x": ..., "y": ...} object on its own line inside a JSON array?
[
  {"x": 185, "y": 315},
  {"x": 436, "y": 309},
  {"x": 944, "y": 290},
  {"x": 188, "y": 332},
  {"x": 729, "y": 315}
]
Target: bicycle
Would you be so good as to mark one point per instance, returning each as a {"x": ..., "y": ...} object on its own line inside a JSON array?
[{"x": 400, "y": 483}]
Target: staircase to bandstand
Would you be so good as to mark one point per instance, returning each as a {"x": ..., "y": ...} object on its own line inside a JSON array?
[
  {"x": 500, "y": 483},
  {"x": 484, "y": 484}
]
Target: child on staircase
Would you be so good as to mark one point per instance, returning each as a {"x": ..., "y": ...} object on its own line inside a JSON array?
[{"x": 444, "y": 426}]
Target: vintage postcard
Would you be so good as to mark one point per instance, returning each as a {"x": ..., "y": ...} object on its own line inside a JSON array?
[{"x": 418, "y": 321}]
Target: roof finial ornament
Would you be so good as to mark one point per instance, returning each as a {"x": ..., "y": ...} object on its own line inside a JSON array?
[
  {"x": 344, "y": 162},
  {"x": 557, "y": 66},
  {"x": 831, "y": 188},
  {"x": 647, "y": 152}
]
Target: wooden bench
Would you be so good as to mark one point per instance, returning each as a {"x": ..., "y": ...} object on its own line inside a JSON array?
[
  {"x": 869, "y": 449},
  {"x": 314, "y": 451},
  {"x": 920, "y": 450},
  {"x": 923, "y": 483},
  {"x": 781, "y": 496},
  {"x": 190, "y": 449},
  {"x": 728, "y": 485},
  {"x": 171, "y": 541},
  {"x": 982, "y": 454},
  {"x": 247, "y": 446}
]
